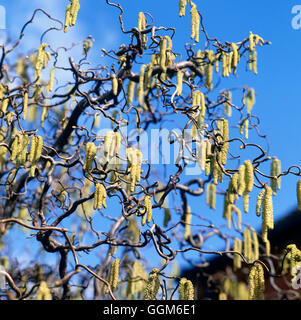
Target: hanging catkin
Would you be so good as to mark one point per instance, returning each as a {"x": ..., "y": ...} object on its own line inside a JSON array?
[
  {"x": 256, "y": 282},
  {"x": 188, "y": 217},
  {"x": 91, "y": 150},
  {"x": 274, "y": 172},
  {"x": 267, "y": 213},
  {"x": 182, "y": 6},
  {"x": 152, "y": 285},
  {"x": 114, "y": 274},
  {"x": 237, "y": 258},
  {"x": 100, "y": 196}
]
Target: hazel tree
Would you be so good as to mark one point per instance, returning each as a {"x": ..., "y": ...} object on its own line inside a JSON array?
[{"x": 77, "y": 181}]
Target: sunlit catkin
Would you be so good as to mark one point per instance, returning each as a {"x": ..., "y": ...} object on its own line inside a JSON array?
[
  {"x": 227, "y": 104},
  {"x": 256, "y": 282},
  {"x": 249, "y": 99},
  {"x": 255, "y": 245},
  {"x": 249, "y": 175},
  {"x": 236, "y": 257},
  {"x": 225, "y": 147},
  {"x": 195, "y": 22},
  {"x": 241, "y": 180},
  {"x": 25, "y": 104},
  {"x": 179, "y": 82},
  {"x": 248, "y": 254},
  {"x": 130, "y": 92},
  {"x": 43, "y": 292},
  {"x": 114, "y": 274},
  {"x": 211, "y": 195},
  {"x": 141, "y": 85},
  {"x": 152, "y": 285},
  {"x": 182, "y": 6},
  {"x": 91, "y": 150},
  {"x": 259, "y": 202},
  {"x": 114, "y": 85},
  {"x": 100, "y": 196},
  {"x": 162, "y": 55},
  {"x": 274, "y": 172},
  {"x": 148, "y": 206},
  {"x": 235, "y": 57},
  {"x": 188, "y": 217},
  {"x": 267, "y": 213}
]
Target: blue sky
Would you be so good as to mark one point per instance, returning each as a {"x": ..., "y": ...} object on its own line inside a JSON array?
[{"x": 277, "y": 84}]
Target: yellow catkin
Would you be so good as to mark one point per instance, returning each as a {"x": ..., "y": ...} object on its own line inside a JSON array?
[
  {"x": 241, "y": 180},
  {"x": 148, "y": 205},
  {"x": 111, "y": 144},
  {"x": 75, "y": 6},
  {"x": 130, "y": 92},
  {"x": 254, "y": 62},
  {"x": 181, "y": 288},
  {"x": 100, "y": 196},
  {"x": 4, "y": 106},
  {"x": 139, "y": 163},
  {"x": 299, "y": 194},
  {"x": 25, "y": 104},
  {"x": 259, "y": 202},
  {"x": 249, "y": 175},
  {"x": 187, "y": 223},
  {"x": 179, "y": 82},
  {"x": 227, "y": 214},
  {"x": 235, "y": 57},
  {"x": 188, "y": 290},
  {"x": 225, "y": 147},
  {"x": 43, "y": 292},
  {"x": 249, "y": 99},
  {"x": 211, "y": 195},
  {"x": 237, "y": 258},
  {"x": 40, "y": 60},
  {"x": 182, "y": 6},
  {"x": 227, "y": 104},
  {"x": 216, "y": 62},
  {"x": 195, "y": 22},
  {"x": 141, "y": 85},
  {"x": 267, "y": 213},
  {"x": 134, "y": 166},
  {"x": 224, "y": 64},
  {"x": 162, "y": 55},
  {"x": 222, "y": 296},
  {"x": 267, "y": 248},
  {"x": 209, "y": 70},
  {"x": 86, "y": 46},
  {"x": 248, "y": 253},
  {"x": 152, "y": 285},
  {"x": 43, "y": 116},
  {"x": 22, "y": 152},
  {"x": 15, "y": 147},
  {"x": 32, "y": 149},
  {"x": 114, "y": 274},
  {"x": 67, "y": 18},
  {"x": 251, "y": 41},
  {"x": 255, "y": 245},
  {"x": 256, "y": 282},
  {"x": 91, "y": 150},
  {"x": 114, "y": 85},
  {"x": 51, "y": 79},
  {"x": 274, "y": 172}
]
